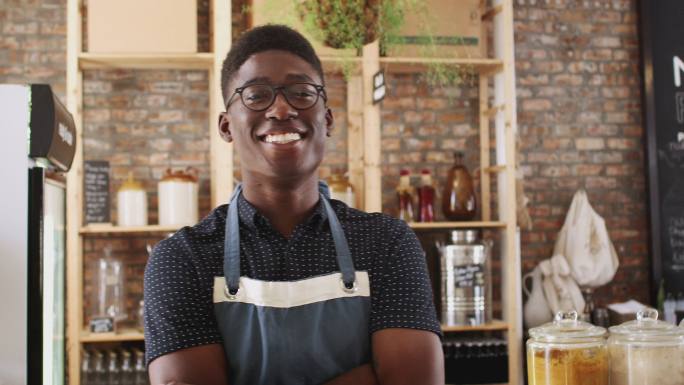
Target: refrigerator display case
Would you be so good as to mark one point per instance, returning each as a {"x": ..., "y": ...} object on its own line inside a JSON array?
[{"x": 36, "y": 150}]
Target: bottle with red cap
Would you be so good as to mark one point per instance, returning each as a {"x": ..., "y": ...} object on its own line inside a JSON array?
[
  {"x": 426, "y": 197},
  {"x": 405, "y": 196}
]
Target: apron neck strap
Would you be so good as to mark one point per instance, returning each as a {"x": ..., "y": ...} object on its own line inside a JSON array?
[{"x": 231, "y": 257}]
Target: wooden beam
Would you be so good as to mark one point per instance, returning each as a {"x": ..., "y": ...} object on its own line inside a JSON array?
[
  {"x": 485, "y": 180},
  {"x": 74, "y": 204},
  {"x": 221, "y": 153},
  {"x": 506, "y": 133},
  {"x": 355, "y": 136},
  {"x": 371, "y": 131}
]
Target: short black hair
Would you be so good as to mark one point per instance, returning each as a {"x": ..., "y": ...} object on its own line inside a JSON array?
[{"x": 264, "y": 38}]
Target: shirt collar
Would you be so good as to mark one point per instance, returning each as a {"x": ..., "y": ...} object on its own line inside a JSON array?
[{"x": 253, "y": 219}]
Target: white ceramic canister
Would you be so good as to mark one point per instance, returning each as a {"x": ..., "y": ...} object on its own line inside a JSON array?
[
  {"x": 132, "y": 204},
  {"x": 178, "y": 202}
]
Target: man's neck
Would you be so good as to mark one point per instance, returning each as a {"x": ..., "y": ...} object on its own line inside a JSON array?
[{"x": 284, "y": 203}]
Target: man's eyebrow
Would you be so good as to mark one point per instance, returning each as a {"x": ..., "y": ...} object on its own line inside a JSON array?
[
  {"x": 300, "y": 77},
  {"x": 260, "y": 80}
]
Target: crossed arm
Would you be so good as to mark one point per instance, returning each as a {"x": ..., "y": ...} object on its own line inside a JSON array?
[{"x": 400, "y": 356}]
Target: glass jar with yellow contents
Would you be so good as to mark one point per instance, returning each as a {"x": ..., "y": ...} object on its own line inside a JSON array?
[{"x": 567, "y": 351}]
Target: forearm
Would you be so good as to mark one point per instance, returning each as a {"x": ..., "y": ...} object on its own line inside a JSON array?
[{"x": 362, "y": 375}]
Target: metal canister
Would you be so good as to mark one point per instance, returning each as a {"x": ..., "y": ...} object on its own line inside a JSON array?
[{"x": 466, "y": 279}]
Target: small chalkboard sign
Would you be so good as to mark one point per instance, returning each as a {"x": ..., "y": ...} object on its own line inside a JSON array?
[
  {"x": 468, "y": 275},
  {"x": 96, "y": 187}
]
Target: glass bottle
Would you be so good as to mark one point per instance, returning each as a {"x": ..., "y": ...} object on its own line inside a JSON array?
[
  {"x": 99, "y": 369},
  {"x": 86, "y": 369},
  {"x": 140, "y": 371},
  {"x": 113, "y": 369},
  {"x": 426, "y": 198},
  {"x": 127, "y": 371},
  {"x": 405, "y": 196},
  {"x": 110, "y": 287},
  {"x": 458, "y": 200}
]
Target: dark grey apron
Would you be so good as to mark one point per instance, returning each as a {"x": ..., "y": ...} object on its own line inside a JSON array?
[{"x": 295, "y": 332}]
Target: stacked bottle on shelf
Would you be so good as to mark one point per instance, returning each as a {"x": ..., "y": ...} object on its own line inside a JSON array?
[
  {"x": 458, "y": 195},
  {"x": 113, "y": 367}
]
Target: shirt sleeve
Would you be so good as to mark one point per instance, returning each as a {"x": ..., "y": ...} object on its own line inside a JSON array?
[
  {"x": 403, "y": 293},
  {"x": 178, "y": 308}
]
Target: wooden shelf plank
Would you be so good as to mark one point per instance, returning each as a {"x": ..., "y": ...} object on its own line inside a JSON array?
[
  {"x": 494, "y": 325},
  {"x": 107, "y": 228},
  {"x": 419, "y": 64},
  {"x": 203, "y": 60},
  {"x": 495, "y": 169},
  {"x": 122, "y": 336},
  {"x": 454, "y": 225}
]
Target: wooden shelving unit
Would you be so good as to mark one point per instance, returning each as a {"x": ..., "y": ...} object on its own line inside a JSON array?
[
  {"x": 495, "y": 73},
  {"x": 221, "y": 156}
]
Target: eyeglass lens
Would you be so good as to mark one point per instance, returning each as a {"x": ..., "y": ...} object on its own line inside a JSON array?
[{"x": 261, "y": 96}]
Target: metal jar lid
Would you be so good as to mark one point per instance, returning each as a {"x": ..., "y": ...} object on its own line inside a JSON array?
[
  {"x": 647, "y": 328},
  {"x": 567, "y": 328},
  {"x": 465, "y": 236}
]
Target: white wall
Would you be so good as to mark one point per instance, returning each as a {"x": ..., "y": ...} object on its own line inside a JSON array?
[{"x": 14, "y": 119}]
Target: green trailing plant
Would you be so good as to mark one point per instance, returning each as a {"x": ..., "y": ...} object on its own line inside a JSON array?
[{"x": 350, "y": 24}]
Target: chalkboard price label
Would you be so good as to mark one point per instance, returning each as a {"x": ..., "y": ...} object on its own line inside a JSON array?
[
  {"x": 96, "y": 188},
  {"x": 468, "y": 275}
]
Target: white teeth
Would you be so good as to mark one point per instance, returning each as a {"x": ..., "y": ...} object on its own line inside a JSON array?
[{"x": 282, "y": 138}]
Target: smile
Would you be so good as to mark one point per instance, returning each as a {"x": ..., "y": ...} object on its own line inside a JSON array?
[{"x": 282, "y": 138}]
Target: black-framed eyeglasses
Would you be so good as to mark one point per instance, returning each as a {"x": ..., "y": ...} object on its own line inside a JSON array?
[{"x": 259, "y": 97}]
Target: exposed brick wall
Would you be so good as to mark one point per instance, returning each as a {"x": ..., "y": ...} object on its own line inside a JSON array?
[
  {"x": 33, "y": 43},
  {"x": 579, "y": 116}
]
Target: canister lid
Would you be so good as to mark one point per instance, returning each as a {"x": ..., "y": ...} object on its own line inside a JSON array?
[
  {"x": 647, "y": 327},
  {"x": 465, "y": 236},
  {"x": 187, "y": 175},
  {"x": 131, "y": 184},
  {"x": 566, "y": 327}
]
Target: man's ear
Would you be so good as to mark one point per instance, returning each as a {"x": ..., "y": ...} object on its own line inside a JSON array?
[
  {"x": 329, "y": 122},
  {"x": 224, "y": 127}
]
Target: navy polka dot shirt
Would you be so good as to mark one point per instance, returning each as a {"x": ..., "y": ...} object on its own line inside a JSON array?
[{"x": 180, "y": 274}]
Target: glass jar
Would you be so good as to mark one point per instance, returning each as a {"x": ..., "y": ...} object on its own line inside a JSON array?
[
  {"x": 646, "y": 351},
  {"x": 567, "y": 351},
  {"x": 341, "y": 189},
  {"x": 466, "y": 284}
]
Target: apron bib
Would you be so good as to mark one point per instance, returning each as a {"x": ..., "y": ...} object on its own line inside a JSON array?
[{"x": 295, "y": 332}]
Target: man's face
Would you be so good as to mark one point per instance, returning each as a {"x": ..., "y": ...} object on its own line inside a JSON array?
[{"x": 264, "y": 139}]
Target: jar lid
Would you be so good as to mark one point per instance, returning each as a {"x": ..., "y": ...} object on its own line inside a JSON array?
[
  {"x": 465, "y": 236},
  {"x": 187, "y": 175},
  {"x": 566, "y": 327},
  {"x": 131, "y": 184},
  {"x": 647, "y": 327}
]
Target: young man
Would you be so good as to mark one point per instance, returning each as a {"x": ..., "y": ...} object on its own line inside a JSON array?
[{"x": 283, "y": 285}]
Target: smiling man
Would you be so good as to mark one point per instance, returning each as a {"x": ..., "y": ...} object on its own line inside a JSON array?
[{"x": 284, "y": 285}]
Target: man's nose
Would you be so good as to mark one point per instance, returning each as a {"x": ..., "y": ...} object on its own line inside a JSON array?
[{"x": 281, "y": 109}]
